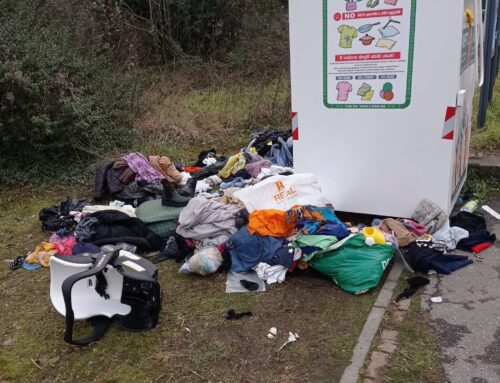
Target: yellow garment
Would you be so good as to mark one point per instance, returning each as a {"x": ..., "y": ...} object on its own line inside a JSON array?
[
  {"x": 270, "y": 222},
  {"x": 42, "y": 254},
  {"x": 234, "y": 164}
]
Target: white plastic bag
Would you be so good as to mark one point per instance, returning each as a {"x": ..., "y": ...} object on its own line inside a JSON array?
[{"x": 282, "y": 192}]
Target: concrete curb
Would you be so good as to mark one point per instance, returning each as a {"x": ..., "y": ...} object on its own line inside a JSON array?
[
  {"x": 372, "y": 324},
  {"x": 488, "y": 165}
]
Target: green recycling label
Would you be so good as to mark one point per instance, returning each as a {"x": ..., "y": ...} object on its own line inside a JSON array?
[{"x": 368, "y": 53}]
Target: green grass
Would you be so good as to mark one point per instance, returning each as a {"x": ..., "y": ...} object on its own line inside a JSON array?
[
  {"x": 480, "y": 187},
  {"x": 417, "y": 358},
  {"x": 327, "y": 320},
  {"x": 488, "y": 138}
]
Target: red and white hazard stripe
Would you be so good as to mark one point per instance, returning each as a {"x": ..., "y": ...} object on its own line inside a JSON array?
[
  {"x": 295, "y": 126},
  {"x": 449, "y": 123}
]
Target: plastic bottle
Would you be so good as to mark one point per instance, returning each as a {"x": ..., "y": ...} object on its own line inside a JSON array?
[{"x": 470, "y": 206}]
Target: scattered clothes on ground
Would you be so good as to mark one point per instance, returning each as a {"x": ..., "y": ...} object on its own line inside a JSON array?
[
  {"x": 202, "y": 186},
  {"x": 248, "y": 250},
  {"x": 31, "y": 266},
  {"x": 207, "y": 171},
  {"x": 310, "y": 244},
  {"x": 16, "y": 263},
  {"x": 114, "y": 226},
  {"x": 175, "y": 248},
  {"x": 270, "y": 222},
  {"x": 317, "y": 220},
  {"x": 429, "y": 215},
  {"x": 207, "y": 219},
  {"x": 82, "y": 248},
  {"x": 166, "y": 168},
  {"x": 414, "y": 227},
  {"x": 231, "y": 314},
  {"x": 399, "y": 230},
  {"x": 101, "y": 188},
  {"x": 280, "y": 154},
  {"x": 229, "y": 198},
  {"x": 424, "y": 255},
  {"x": 237, "y": 182},
  {"x": 58, "y": 217},
  {"x": 213, "y": 180},
  {"x": 271, "y": 274},
  {"x": 274, "y": 170},
  {"x": 233, "y": 164},
  {"x": 468, "y": 221},
  {"x": 243, "y": 174},
  {"x": 205, "y": 157},
  {"x": 140, "y": 165},
  {"x": 127, "y": 209},
  {"x": 64, "y": 245},
  {"x": 85, "y": 229},
  {"x": 414, "y": 283},
  {"x": 477, "y": 241},
  {"x": 354, "y": 266},
  {"x": 254, "y": 168},
  {"x": 124, "y": 173},
  {"x": 42, "y": 254},
  {"x": 263, "y": 141},
  {"x": 479, "y": 238},
  {"x": 450, "y": 236}
]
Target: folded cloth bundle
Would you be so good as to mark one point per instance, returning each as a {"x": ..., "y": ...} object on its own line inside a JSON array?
[{"x": 430, "y": 215}]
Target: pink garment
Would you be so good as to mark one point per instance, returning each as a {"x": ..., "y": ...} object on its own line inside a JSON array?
[
  {"x": 391, "y": 2},
  {"x": 254, "y": 168},
  {"x": 63, "y": 245},
  {"x": 414, "y": 227},
  {"x": 344, "y": 88}
]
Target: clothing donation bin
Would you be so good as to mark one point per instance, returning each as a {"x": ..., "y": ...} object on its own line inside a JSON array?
[{"x": 382, "y": 98}]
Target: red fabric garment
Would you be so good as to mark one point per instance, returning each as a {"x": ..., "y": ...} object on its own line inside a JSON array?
[
  {"x": 482, "y": 246},
  {"x": 65, "y": 246},
  {"x": 192, "y": 169}
]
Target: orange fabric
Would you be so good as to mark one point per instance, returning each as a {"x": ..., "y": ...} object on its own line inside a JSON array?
[
  {"x": 270, "y": 223},
  {"x": 297, "y": 213}
]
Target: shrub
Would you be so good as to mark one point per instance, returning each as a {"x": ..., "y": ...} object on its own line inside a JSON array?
[{"x": 55, "y": 103}]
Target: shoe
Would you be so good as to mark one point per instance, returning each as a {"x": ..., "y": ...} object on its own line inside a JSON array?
[
  {"x": 168, "y": 252},
  {"x": 189, "y": 189},
  {"x": 170, "y": 197}
]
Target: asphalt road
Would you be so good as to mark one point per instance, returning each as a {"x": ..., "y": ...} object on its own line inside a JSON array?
[{"x": 468, "y": 321}]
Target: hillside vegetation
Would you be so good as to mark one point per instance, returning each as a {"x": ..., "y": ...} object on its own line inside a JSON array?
[{"x": 83, "y": 80}]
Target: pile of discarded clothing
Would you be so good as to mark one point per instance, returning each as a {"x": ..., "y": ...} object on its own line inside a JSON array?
[{"x": 248, "y": 215}]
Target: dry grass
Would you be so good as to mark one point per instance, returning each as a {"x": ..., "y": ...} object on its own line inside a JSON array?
[{"x": 203, "y": 107}]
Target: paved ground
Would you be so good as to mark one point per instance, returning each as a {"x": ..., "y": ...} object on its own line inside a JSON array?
[{"x": 468, "y": 320}]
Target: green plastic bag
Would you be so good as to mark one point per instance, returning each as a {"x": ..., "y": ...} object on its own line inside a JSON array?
[{"x": 355, "y": 266}]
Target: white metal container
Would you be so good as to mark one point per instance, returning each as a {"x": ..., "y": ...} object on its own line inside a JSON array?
[{"x": 382, "y": 95}]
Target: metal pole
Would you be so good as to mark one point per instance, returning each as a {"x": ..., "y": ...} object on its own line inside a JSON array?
[{"x": 485, "y": 91}]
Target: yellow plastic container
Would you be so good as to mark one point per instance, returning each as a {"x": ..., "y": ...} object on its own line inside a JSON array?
[{"x": 376, "y": 234}]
